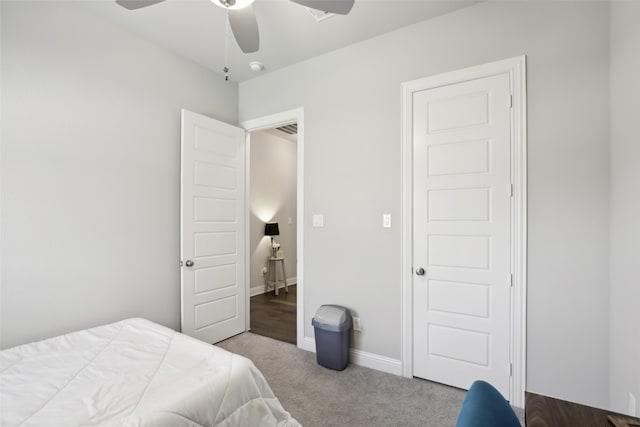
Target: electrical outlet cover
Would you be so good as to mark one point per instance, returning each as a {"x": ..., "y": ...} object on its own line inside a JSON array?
[{"x": 357, "y": 326}]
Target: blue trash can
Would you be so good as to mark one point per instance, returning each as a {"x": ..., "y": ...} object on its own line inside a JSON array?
[{"x": 332, "y": 326}]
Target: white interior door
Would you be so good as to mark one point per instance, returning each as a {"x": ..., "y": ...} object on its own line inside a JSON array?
[
  {"x": 212, "y": 228},
  {"x": 461, "y": 236}
]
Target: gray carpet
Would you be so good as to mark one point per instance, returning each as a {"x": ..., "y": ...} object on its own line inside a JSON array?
[{"x": 357, "y": 396}]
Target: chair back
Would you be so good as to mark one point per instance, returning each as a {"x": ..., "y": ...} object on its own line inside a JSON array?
[{"x": 484, "y": 406}]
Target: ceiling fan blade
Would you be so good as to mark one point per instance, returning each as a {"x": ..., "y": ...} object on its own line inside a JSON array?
[
  {"x": 245, "y": 29},
  {"x": 339, "y": 7},
  {"x": 137, "y": 4}
]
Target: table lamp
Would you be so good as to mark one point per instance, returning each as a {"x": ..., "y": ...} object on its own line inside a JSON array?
[{"x": 271, "y": 229}]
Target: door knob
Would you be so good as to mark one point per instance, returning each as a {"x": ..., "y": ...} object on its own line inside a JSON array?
[
  {"x": 419, "y": 271},
  {"x": 189, "y": 263}
]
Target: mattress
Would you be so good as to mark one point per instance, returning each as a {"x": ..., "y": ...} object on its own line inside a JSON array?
[{"x": 133, "y": 373}]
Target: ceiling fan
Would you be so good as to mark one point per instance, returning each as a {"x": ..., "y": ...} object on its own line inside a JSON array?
[{"x": 242, "y": 19}]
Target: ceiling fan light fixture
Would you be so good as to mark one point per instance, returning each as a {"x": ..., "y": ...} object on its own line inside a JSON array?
[{"x": 232, "y": 4}]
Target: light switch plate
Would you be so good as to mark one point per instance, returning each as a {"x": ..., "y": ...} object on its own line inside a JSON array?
[
  {"x": 386, "y": 220},
  {"x": 318, "y": 220}
]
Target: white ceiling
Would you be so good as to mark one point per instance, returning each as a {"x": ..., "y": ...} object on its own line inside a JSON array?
[{"x": 195, "y": 29}]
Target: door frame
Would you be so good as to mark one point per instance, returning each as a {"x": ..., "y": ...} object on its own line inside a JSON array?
[
  {"x": 269, "y": 122},
  {"x": 516, "y": 68}
]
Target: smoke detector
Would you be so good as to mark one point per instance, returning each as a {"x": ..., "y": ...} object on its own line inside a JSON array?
[{"x": 256, "y": 66}]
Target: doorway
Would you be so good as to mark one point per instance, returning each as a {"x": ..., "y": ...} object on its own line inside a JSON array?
[
  {"x": 269, "y": 122},
  {"x": 273, "y": 232}
]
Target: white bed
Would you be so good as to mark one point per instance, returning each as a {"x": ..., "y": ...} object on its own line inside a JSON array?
[{"x": 133, "y": 373}]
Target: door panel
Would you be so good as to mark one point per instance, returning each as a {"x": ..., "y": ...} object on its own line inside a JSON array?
[
  {"x": 462, "y": 214},
  {"x": 212, "y": 228}
]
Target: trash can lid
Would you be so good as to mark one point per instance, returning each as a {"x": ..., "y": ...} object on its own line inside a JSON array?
[{"x": 332, "y": 315}]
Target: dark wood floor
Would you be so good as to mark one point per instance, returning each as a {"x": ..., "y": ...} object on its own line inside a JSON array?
[{"x": 275, "y": 316}]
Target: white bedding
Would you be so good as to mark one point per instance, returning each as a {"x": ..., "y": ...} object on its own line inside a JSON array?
[{"x": 133, "y": 373}]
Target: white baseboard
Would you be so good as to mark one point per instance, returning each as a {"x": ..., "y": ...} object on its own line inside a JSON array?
[
  {"x": 363, "y": 358},
  {"x": 257, "y": 290},
  {"x": 309, "y": 344}
]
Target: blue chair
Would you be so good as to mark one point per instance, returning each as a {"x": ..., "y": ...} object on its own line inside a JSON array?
[{"x": 484, "y": 406}]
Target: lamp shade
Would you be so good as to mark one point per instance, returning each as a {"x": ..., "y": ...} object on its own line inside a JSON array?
[{"x": 271, "y": 229}]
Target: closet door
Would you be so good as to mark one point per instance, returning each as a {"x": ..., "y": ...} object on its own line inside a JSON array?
[{"x": 462, "y": 233}]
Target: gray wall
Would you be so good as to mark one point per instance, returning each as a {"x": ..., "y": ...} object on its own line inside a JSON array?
[
  {"x": 351, "y": 100},
  {"x": 625, "y": 204},
  {"x": 90, "y": 170},
  {"x": 90, "y": 175},
  {"x": 273, "y": 199}
]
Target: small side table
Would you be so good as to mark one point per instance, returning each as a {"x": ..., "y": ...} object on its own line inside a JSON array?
[{"x": 272, "y": 263}]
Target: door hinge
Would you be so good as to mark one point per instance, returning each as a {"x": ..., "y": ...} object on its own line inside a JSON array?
[
  {"x": 511, "y": 280},
  {"x": 511, "y": 190},
  {"x": 181, "y": 263},
  {"x": 510, "y": 369},
  {"x": 510, "y": 101}
]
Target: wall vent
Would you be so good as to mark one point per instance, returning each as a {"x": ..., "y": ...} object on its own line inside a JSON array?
[{"x": 289, "y": 129}]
